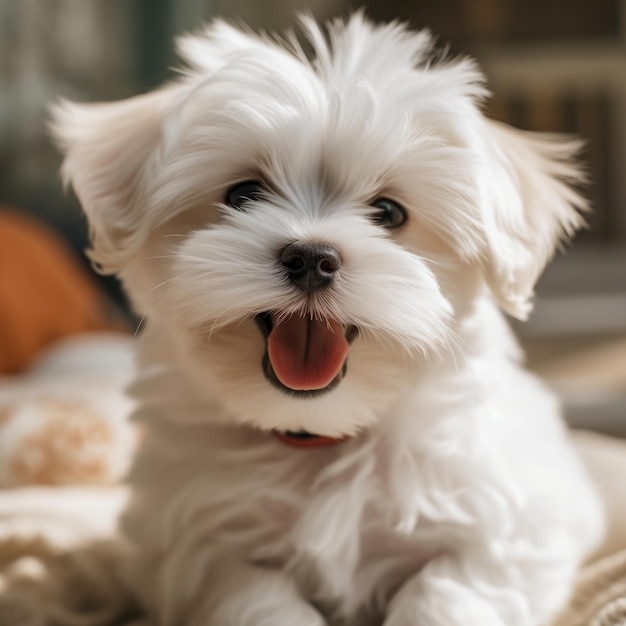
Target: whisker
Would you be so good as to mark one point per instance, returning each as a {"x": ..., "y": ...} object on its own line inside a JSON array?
[
  {"x": 141, "y": 321},
  {"x": 169, "y": 280},
  {"x": 162, "y": 256}
]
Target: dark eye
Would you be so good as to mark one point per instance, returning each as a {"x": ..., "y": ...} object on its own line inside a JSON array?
[
  {"x": 388, "y": 214},
  {"x": 241, "y": 194}
]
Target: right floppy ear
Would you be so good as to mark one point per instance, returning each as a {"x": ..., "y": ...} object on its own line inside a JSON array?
[
  {"x": 110, "y": 150},
  {"x": 531, "y": 205}
]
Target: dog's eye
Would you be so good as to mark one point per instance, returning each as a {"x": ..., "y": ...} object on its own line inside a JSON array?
[
  {"x": 241, "y": 194},
  {"x": 388, "y": 214}
]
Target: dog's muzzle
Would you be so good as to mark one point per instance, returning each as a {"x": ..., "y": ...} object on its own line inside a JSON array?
[{"x": 306, "y": 355}]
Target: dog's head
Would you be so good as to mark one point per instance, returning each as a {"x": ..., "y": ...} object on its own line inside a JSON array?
[{"x": 305, "y": 229}]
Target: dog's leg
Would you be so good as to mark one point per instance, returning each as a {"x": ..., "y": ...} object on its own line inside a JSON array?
[{"x": 461, "y": 591}]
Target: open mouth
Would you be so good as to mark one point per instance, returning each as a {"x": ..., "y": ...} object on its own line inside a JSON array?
[{"x": 304, "y": 357}]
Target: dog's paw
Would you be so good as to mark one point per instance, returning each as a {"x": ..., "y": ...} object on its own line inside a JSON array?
[
  {"x": 441, "y": 594},
  {"x": 422, "y": 612}
]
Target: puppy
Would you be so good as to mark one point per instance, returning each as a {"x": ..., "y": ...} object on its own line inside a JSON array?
[{"x": 322, "y": 238}]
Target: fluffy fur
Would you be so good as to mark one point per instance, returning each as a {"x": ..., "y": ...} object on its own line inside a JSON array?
[{"x": 457, "y": 500}]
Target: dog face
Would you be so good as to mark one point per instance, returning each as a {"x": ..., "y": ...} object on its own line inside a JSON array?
[{"x": 307, "y": 231}]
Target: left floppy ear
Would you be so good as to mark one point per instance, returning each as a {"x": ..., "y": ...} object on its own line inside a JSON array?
[
  {"x": 528, "y": 207},
  {"x": 109, "y": 149}
]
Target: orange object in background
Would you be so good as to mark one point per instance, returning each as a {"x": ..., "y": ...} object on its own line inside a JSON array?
[{"x": 44, "y": 293}]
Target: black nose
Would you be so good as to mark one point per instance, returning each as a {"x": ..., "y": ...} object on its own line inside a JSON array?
[{"x": 310, "y": 265}]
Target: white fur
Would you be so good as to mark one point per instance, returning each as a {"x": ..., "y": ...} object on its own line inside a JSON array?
[{"x": 458, "y": 500}]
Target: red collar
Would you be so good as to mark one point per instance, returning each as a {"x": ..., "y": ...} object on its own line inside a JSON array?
[{"x": 297, "y": 440}]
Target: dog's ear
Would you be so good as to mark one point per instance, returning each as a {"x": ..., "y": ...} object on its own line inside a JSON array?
[
  {"x": 110, "y": 149},
  {"x": 528, "y": 207}
]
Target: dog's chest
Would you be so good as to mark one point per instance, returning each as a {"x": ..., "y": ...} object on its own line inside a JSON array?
[{"x": 345, "y": 544}]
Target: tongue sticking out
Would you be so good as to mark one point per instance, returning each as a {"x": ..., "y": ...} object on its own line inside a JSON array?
[{"x": 306, "y": 354}]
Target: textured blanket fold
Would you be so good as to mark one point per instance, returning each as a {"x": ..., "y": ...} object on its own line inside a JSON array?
[{"x": 599, "y": 598}]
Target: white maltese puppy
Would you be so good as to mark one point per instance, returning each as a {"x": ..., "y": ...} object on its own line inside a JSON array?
[{"x": 338, "y": 428}]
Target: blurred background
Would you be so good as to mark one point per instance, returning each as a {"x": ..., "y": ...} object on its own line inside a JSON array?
[{"x": 553, "y": 65}]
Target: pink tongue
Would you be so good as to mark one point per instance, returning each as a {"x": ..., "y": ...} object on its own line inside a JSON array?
[{"x": 306, "y": 354}]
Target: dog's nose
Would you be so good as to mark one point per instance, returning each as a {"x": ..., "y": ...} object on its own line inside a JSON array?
[{"x": 310, "y": 265}]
